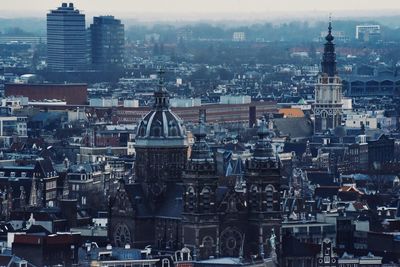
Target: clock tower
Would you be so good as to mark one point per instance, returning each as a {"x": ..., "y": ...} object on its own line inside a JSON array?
[{"x": 328, "y": 91}]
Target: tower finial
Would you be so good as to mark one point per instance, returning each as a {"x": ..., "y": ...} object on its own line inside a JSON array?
[
  {"x": 161, "y": 94},
  {"x": 160, "y": 74},
  {"x": 329, "y": 57},
  {"x": 329, "y": 37}
]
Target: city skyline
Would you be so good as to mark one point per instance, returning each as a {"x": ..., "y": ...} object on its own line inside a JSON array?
[{"x": 208, "y": 9}]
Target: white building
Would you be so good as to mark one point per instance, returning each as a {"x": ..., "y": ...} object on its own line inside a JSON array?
[
  {"x": 14, "y": 103},
  {"x": 239, "y": 36},
  {"x": 347, "y": 103},
  {"x": 365, "y": 32},
  {"x": 185, "y": 102},
  {"x": 77, "y": 115},
  {"x": 131, "y": 103},
  {"x": 12, "y": 125},
  {"x": 235, "y": 99},
  {"x": 355, "y": 120},
  {"x": 103, "y": 102}
]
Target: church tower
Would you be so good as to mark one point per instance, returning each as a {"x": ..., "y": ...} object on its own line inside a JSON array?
[
  {"x": 200, "y": 227},
  {"x": 328, "y": 91},
  {"x": 161, "y": 147},
  {"x": 263, "y": 183}
]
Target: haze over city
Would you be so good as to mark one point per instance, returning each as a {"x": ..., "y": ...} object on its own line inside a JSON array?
[{"x": 209, "y": 9}]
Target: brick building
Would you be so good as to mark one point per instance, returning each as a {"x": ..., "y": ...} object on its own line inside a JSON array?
[{"x": 73, "y": 94}]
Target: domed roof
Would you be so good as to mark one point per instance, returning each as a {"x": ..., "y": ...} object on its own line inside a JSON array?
[{"x": 161, "y": 124}]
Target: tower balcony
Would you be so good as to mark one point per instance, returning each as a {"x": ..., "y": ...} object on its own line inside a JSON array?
[{"x": 329, "y": 80}]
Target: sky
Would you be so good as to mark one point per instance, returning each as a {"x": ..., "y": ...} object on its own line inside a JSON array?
[{"x": 205, "y": 9}]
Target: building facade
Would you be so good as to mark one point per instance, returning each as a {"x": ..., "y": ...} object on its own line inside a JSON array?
[
  {"x": 66, "y": 39},
  {"x": 176, "y": 202},
  {"x": 107, "y": 43}
]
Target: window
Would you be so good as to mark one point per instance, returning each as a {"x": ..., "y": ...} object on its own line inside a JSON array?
[
  {"x": 208, "y": 244},
  {"x": 269, "y": 191},
  {"x": 190, "y": 198},
  {"x": 165, "y": 263},
  {"x": 206, "y": 199},
  {"x": 254, "y": 196}
]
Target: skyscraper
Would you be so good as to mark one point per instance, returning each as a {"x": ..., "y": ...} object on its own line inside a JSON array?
[
  {"x": 107, "y": 42},
  {"x": 328, "y": 91},
  {"x": 66, "y": 39}
]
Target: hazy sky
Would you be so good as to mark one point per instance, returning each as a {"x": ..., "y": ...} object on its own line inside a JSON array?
[{"x": 203, "y": 8}]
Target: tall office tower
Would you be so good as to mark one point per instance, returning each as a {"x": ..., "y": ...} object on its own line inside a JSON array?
[
  {"x": 66, "y": 39},
  {"x": 328, "y": 91},
  {"x": 107, "y": 42}
]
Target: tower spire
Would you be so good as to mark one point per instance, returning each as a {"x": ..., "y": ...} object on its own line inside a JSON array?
[{"x": 328, "y": 63}]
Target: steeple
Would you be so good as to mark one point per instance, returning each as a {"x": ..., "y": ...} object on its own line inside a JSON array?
[
  {"x": 161, "y": 94},
  {"x": 200, "y": 150},
  {"x": 328, "y": 63},
  {"x": 263, "y": 148}
]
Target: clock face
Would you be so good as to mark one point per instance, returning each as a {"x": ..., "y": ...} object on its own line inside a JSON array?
[
  {"x": 122, "y": 235},
  {"x": 231, "y": 241}
]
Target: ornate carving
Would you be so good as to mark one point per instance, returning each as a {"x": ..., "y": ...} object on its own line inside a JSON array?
[
  {"x": 231, "y": 242},
  {"x": 122, "y": 235}
]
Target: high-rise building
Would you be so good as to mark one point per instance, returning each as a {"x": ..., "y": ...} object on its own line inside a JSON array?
[
  {"x": 107, "y": 42},
  {"x": 239, "y": 36},
  {"x": 66, "y": 39},
  {"x": 328, "y": 91},
  {"x": 368, "y": 32}
]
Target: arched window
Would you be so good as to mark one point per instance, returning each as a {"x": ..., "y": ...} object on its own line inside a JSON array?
[
  {"x": 254, "y": 197},
  {"x": 269, "y": 192},
  {"x": 173, "y": 129},
  {"x": 208, "y": 241},
  {"x": 208, "y": 244},
  {"x": 142, "y": 129},
  {"x": 205, "y": 193},
  {"x": 165, "y": 263},
  {"x": 156, "y": 129},
  {"x": 190, "y": 198}
]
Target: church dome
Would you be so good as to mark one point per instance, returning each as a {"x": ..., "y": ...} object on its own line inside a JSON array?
[{"x": 161, "y": 124}]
